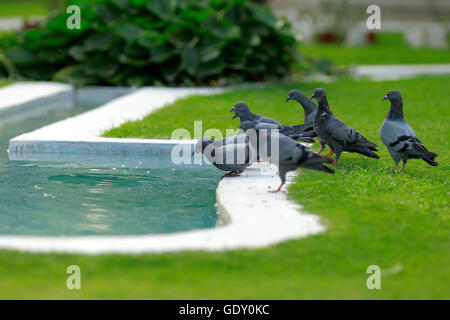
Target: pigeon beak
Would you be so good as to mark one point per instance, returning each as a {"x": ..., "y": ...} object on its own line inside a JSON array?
[
  {"x": 234, "y": 116},
  {"x": 288, "y": 98},
  {"x": 384, "y": 98},
  {"x": 313, "y": 96},
  {"x": 232, "y": 110}
]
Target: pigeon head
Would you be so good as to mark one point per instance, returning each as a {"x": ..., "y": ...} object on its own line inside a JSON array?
[
  {"x": 322, "y": 101},
  {"x": 242, "y": 111},
  {"x": 396, "y": 110},
  {"x": 294, "y": 95},
  {"x": 319, "y": 94},
  {"x": 394, "y": 96},
  {"x": 201, "y": 144}
]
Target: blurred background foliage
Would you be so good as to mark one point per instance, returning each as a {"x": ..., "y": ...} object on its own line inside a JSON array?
[{"x": 157, "y": 42}]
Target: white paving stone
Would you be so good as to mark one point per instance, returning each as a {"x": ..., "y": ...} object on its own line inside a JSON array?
[
  {"x": 19, "y": 94},
  {"x": 392, "y": 72}
]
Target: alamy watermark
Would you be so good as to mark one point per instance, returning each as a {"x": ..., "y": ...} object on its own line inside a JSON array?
[
  {"x": 74, "y": 20},
  {"x": 73, "y": 282},
  {"x": 374, "y": 280},
  {"x": 374, "y": 20},
  {"x": 235, "y": 147}
]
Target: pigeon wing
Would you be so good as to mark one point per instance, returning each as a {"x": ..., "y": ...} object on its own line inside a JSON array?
[
  {"x": 339, "y": 131},
  {"x": 410, "y": 145}
]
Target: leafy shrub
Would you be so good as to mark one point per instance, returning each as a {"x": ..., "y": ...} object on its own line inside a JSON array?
[{"x": 152, "y": 42}]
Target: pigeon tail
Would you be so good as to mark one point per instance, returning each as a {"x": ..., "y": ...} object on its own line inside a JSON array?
[
  {"x": 429, "y": 158},
  {"x": 367, "y": 152},
  {"x": 319, "y": 167},
  {"x": 431, "y": 162},
  {"x": 316, "y": 163},
  {"x": 361, "y": 141}
]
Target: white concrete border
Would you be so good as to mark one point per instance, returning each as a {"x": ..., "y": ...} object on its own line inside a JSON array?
[
  {"x": 82, "y": 133},
  {"x": 250, "y": 216},
  {"x": 21, "y": 97},
  {"x": 394, "y": 72}
]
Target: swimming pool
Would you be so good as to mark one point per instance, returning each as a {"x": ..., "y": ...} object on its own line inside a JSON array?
[{"x": 100, "y": 195}]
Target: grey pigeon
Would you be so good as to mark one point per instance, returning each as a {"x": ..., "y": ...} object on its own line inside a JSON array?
[
  {"x": 231, "y": 154},
  {"x": 310, "y": 110},
  {"x": 398, "y": 136},
  {"x": 291, "y": 154},
  {"x": 309, "y": 107},
  {"x": 241, "y": 110},
  {"x": 337, "y": 134}
]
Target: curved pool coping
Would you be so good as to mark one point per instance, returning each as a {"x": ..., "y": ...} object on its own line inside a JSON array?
[{"x": 253, "y": 217}]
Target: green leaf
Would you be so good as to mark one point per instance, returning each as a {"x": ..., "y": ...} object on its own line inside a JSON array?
[
  {"x": 74, "y": 75},
  {"x": 163, "y": 9},
  {"x": 128, "y": 31},
  {"x": 107, "y": 13},
  {"x": 262, "y": 14},
  {"x": 191, "y": 59},
  {"x": 162, "y": 52},
  {"x": 121, "y": 4},
  {"x": 149, "y": 39},
  {"x": 20, "y": 56},
  {"x": 101, "y": 67},
  {"x": 100, "y": 41},
  {"x": 181, "y": 37},
  {"x": 138, "y": 3},
  {"x": 223, "y": 29},
  {"x": 210, "y": 68}
]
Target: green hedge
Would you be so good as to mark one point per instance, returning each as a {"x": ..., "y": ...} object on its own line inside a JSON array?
[{"x": 156, "y": 42}]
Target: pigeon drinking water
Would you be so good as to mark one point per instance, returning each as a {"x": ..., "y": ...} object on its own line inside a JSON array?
[
  {"x": 289, "y": 155},
  {"x": 398, "y": 136},
  {"x": 232, "y": 154},
  {"x": 337, "y": 134}
]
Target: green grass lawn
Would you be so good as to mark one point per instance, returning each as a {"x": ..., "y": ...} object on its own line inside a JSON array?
[
  {"x": 390, "y": 49},
  {"x": 24, "y": 8},
  {"x": 397, "y": 221}
]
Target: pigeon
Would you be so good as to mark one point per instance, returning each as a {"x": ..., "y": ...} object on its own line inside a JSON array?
[
  {"x": 309, "y": 107},
  {"x": 231, "y": 154},
  {"x": 337, "y": 134},
  {"x": 398, "y": 136},
  {"x": 310, "y": 110},
  {"x": 241, "y": 110},
  {"x": 291, "y": 154}
]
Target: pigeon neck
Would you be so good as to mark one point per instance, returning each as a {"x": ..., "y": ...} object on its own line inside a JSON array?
[
  {"x": 246, "y": 116},
  {"x": 396, "y": 111},
  {"x": 308, "y": 106},
  {"x": 323, "y": 106}
]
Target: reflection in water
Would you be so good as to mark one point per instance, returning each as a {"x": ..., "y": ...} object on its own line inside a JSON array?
[{"x": 92, "y": 198}]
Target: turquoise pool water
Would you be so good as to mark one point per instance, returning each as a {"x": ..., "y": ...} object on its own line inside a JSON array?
[{"x": 92, "y": 197}]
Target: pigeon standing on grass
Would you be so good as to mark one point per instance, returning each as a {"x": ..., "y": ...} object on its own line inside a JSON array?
[
  {"x": 337, "y": 134},
  {"x": 231, "y": 154},
  {"x": 242, "y": 111},
  {"x": 398, "y": 136},
  {"x": 310, "y": 110},
  {"x": 309, "y": 107},
  {"x": 291, "y": 154}
]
